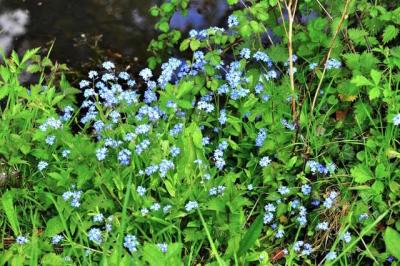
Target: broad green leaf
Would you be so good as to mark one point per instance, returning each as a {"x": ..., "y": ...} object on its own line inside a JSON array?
[
  {"x": 194, "y": 44},
  {"x": 360, "y": 80},
  {"x": 184, "y": 45},
  {"x": 389, "y": 33},
  {"x": 251, "y": 235},
  {"x": 52, "y": 259},
  {"x": 361, "y": 174},
  {"x": 376, "y": 76},
  {"x": 392, "y": 241},
  {"x": 374, "y": 93},
  {"x": 54, "y": 226},
  {"x": 184, "y": 88}
]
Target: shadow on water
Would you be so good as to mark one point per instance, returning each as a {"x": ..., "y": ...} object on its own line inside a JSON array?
[{"x": 87, "y": 31}]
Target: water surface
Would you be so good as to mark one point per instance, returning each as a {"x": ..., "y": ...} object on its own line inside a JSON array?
[{"x": 86, "y": 30}]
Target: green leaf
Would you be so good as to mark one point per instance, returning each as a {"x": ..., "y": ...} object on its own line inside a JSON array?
[
  {"x": 232, "y": 2},
  {"x": 33, "y": 68},
  {"x": 361, "y": 81},
  {"x": 374, "y": 93},
  {"x": 184, "y": 89},
  {"x": 7, "y": 202},
  {"x": 376, "y": 76},
  {"x": 184, "y": 45},
  {"x": 54, "y": 226},
  {"x": 164, "y": 26},
  {"x": 392, "y": 242},
  {"x": 358, "y": 36},
  {"x": 167, "y": 7},
  {"x": 251, "y": 235},
  {"x": 153, "y": 255},
  {"x": 361, "y": 173},
  {"x": 194, "y": 44},
  {"x": 389, "y": 33},
  {"x": 52, "y": 259}
]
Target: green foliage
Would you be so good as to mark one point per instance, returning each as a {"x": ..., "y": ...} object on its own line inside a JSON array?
[{"x": 342, "y": 108}]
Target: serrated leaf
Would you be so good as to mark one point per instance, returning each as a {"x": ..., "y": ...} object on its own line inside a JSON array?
[
  {"x": 358, "y": 36},
  {"x": 361, "y": 174},
  {"x": 389, "y": 33},
  {"x": 374, "y": 93},
  {"x": 376, "y": 76},
  {"x": 360, "y": 80}
]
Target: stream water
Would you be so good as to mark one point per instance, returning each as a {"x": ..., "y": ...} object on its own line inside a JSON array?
[{"x": 83, "y": 30}]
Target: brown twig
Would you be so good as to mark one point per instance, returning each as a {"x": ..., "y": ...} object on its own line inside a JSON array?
[
  {"x": 342, "y": 19},
  {"x": 291, "y": 7}
]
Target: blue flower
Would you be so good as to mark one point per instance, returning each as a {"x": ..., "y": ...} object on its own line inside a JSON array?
[
  {"x": 146, "y": 74},
  {"x": 167, "y": 208},
  {"x": 98, "y": 218},
  {"x": 93, "y": 74},
  {"x": 65, "y": 153},
  {"x": 176, "y": 130},
  {"x": 265, "y": 161},
  {"x": 165, "y": 166},
  {"x": 141, "y": 190},
  {"x": 22, "y": 240},
  {"x": 205, "y": 141},
  {"x": 208, "y": 107},
  {"x": 232, "y": 21},
  {"x": 101, "y": 153},
  {"x": 263, "y": 57},
  {"x": 268, "y": 217},
  {"x": 124, "y": 76},
  {"x": 261, "y": 136},
  {"x": 124, "y": 157},
  {"x": 191, "y": 205},
  {"x": 283, "y": 190},
  {"x": 73, "y": 196},
  {"x": 312, "y": 66},
  {"x": 175, "y": 151},
  {"x": 83, "y": 84},
  {"x": 144, "y": 211},
  {"x": 42, "y": 165},
  {"x": 330, "y": 200},
  {"x": 245, "y": 53},
  {"x": 280, "y": 233},
  {"x": 55, "y": 240},
  {"x": 331, "y": 256},
  {"x": 95, "y": 236},
  {"x": 323, "y": 226},
  {"x": 346, "y": 237},
  {"x": 131, "y": 243},
  {"x": 108, "y": 65},
  {"x": 163, "y": 247},
  {"x": 168, "y": 69},
  {"x": 306, "y": 189},
  {"x": 333, "y": 63},
  {"x": 222, "y": 117},
  {"x": 142, "y": 129},
  {"x": 396, "y": 120}
]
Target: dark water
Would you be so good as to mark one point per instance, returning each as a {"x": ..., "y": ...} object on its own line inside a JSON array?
[{"x": 88, "y": 30}]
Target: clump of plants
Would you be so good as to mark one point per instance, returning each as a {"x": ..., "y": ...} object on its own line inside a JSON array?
[{"x": 273, "y": 141}]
